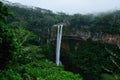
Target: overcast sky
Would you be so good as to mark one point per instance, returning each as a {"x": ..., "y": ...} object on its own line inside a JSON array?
[{"x": 74, "y": 6}]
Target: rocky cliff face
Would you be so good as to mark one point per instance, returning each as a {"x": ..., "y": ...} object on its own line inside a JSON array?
[
  {"x": 104, "y": 37},
  {"x": 95, "y": 36}
]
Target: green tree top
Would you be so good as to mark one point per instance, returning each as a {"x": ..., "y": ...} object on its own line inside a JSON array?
[
  {"x": 8, "y": 43},
  {"x": 4, "y": 12}
]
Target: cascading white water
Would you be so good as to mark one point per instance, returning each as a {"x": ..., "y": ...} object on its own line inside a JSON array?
[{"x": 58, "y": 45}]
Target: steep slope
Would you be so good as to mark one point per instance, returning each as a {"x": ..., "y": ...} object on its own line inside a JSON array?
[{"x": 101, "y": 27}]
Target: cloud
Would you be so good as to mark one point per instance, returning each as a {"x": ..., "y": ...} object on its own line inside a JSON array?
[{"x": 73, "y": 6}]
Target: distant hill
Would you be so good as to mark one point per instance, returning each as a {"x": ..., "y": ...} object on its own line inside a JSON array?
[{"x": 101, "y": 27}]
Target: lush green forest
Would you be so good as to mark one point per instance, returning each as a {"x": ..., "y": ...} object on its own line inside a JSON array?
[
  {"x": 27, "y": 53},
  {"x": 20, "y": 60}
]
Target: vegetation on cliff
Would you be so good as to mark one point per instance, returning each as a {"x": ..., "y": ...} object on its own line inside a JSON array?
[{"x": 29, "y": 54}]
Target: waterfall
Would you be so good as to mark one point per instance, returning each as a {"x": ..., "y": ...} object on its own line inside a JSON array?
[{"x": 58, "y": 45}]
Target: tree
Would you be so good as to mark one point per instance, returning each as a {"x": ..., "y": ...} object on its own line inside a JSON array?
[
  {"x": 4, "y": 12},
  {"x": 113, "y": 66},
  {"x": 8, "y": 43}
]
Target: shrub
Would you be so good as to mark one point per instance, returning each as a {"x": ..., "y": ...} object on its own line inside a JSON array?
[{"x": 8, "y": 46}]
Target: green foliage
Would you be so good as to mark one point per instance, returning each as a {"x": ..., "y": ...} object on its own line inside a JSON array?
[
  {"x": 49, "y": 52},
  {"x": 38, "y": 69},
  {"x": 40, "y": 22},
  {"x": 47, "y": 70},
  {"x": 23, "y": 35},
  {"x": 32, "y": 28},
  {"x": 4, "y": 12},
  {"x": 9, "y": 75},
  {"x": 111, "y": 77},
  {"x": 51, "y": 72},
  {"x": 32, "y": 65},
  {"x": 8, "y": 43},
  {"x": 87, "y": 60},
  {"x": 112, "y": 59},
  {"x": 30, "y": 53},
  {"x": 107, "y": 23}
]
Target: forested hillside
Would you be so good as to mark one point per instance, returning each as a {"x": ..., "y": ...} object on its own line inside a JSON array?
[
  {"x": 90, "y": 45},
  {"x": 101, "y": 27},
  {"x": 21, "y": 60}
]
